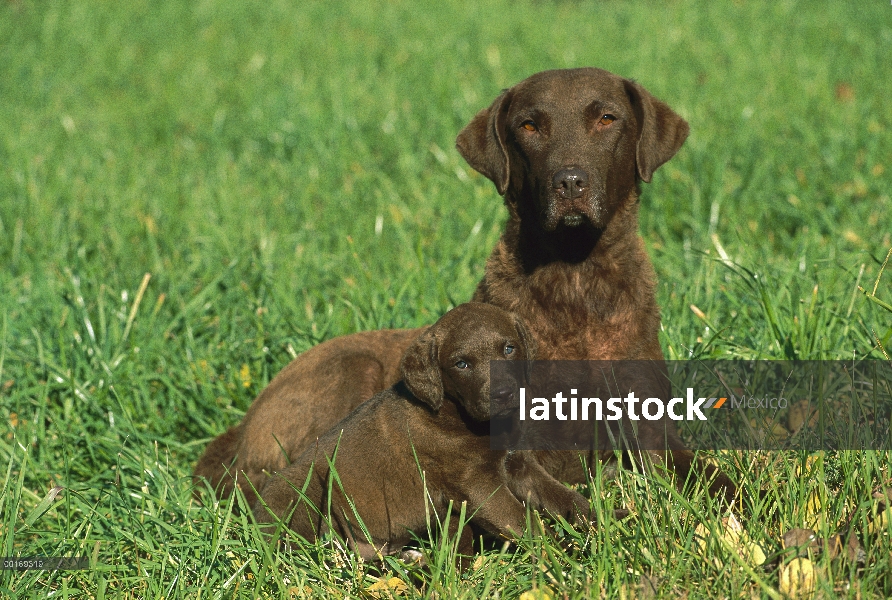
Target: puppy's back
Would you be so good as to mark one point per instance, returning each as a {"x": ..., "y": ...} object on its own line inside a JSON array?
[{"x": 374, "y": 476}]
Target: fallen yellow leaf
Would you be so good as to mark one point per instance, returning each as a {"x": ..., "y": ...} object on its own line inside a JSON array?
[
  {"x": 733, "y": 538},
  {"x": 812, "y": 461},
  {"x": 388, "y": 588},
  {"x": 880, "y": 524},
  {"x": 542, "y": 593},
  {"x": 797, "y": 578},
  {"x": 814, "y": 515}
]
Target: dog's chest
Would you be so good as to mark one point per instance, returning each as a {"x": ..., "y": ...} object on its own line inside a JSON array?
[
  {"x": 577, "y": 318},
  {"x": 601, "y": 341},
  {"x": 600, "y": 309}
]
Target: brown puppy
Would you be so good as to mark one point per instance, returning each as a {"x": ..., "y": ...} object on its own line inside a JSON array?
[
  {"x": 421, "y": 445},
  {"x": 568, "y": 150}
]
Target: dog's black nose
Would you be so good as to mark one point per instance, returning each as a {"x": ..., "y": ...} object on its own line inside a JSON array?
[{"x": 570, "y": 183}]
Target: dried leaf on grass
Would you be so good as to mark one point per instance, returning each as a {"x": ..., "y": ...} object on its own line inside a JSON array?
[
  {"x": 814, "y": 513},
  {"x": 542, "y": 593},
  {"x": 733, "y": 538},
  {"x": 797, "y": 578},
  {"x": 808, "y": 544},
  {"x": 802, "y": 539},
  {"x": 880, "y": 523},
  {"x": 388, "y": 588}
]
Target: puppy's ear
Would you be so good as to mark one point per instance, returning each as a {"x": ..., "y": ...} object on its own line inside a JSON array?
[
  {"x": 421, "y": 373},
  {"x": 529, "y": 344},
  {"x": 526, "y": 338},
  {"x": 661, "y": 130},
  {"x": 482, "y": 142}
]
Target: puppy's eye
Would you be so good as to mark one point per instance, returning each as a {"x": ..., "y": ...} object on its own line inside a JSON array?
[
  {"x": 509, "y": 349},
  {"x": 529, "y": 126},
  {"x": 462, "y": 364},
  {"x": 607, "y": 119}
]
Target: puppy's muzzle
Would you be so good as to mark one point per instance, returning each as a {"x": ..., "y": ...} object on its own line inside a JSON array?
[{"x": 504, "y": 399}]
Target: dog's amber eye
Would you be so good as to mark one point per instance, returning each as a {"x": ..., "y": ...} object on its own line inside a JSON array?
[
  {"x": 529, "y": 126},
  {"x": 607, "y": 119},
  {"x": 462, "y": 364},
  {"x": 509, "y": 350}
]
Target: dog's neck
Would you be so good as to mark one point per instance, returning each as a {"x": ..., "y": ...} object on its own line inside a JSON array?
[
  {"x": 599, "y": 286},
  {"x": 583, "y": 297},
  {"x": 450, "y": 415},
  {"x": 584, "y": 247}
]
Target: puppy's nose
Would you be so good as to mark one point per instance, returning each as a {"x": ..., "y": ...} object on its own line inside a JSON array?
[
  {"x": 570, "y": 183},
  {"x": 503, "y": 394}
]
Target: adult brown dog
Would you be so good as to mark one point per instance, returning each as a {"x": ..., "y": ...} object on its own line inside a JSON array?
[
  {"x": 567, "y": 149},
  {"x": 421, "y": 448}
]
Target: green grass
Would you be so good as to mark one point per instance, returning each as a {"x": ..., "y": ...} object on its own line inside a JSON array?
[{"x": 242, "y": 153}]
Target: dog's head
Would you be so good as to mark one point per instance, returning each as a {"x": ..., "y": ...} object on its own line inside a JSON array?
[
  {"x": 569, "y": 146},
  {"x": 451, "y": 359}
]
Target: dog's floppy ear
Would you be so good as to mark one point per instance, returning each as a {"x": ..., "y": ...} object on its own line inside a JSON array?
[
  {"x": 482, "y": 142},
  {"x": 421, "y": 373},
  {"x": 661, "y": 130},
  {"x": 526, "y": 338},
  {"x": 529, "y": 344}
]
